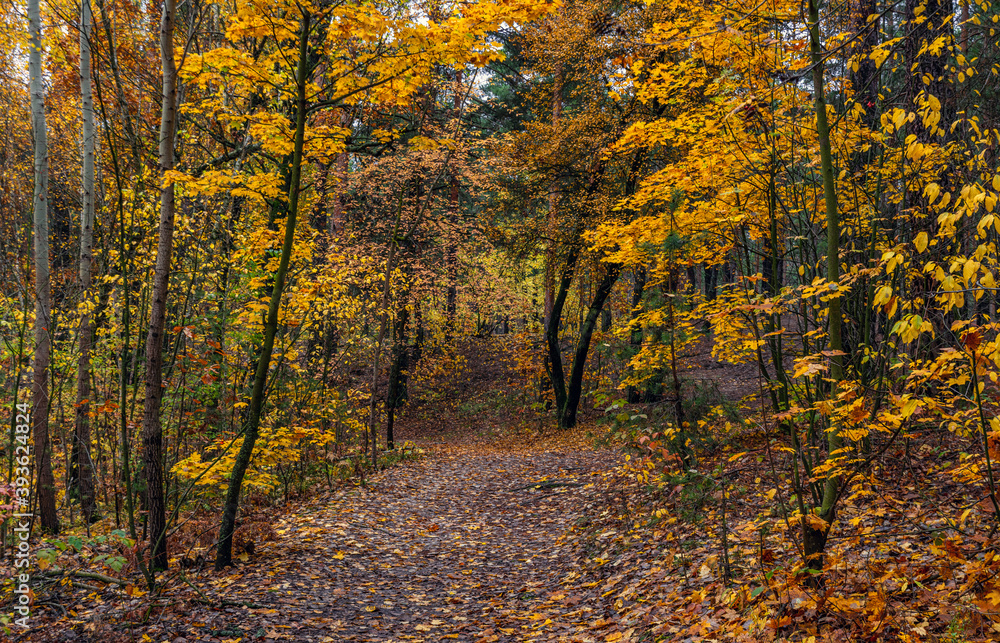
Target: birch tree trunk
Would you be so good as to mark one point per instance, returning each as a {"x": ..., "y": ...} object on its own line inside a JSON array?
[
  {"x": 152, "y": 430},
  {"x": 81, "y": 435},
  {"x": 46, "y": 488}
]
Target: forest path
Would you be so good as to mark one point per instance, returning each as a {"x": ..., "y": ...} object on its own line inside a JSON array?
[{"x": 461, "y": 545}]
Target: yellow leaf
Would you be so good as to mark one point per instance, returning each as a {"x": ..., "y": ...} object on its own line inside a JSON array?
[
  {"x": 920, "y": 241},
  {"x": 423, "y": 143},
  {"x": 614, "y": 636},
  {"x": 339, "y": 555},
  {"x": 969, "y": 269},
  {"x": 898, "y": 117},
  {"x": 908, "y": 407},
  {"x": 932, "y": 191}
]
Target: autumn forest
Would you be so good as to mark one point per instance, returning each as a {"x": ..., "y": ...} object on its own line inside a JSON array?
[{"x": 499, "y": 320}]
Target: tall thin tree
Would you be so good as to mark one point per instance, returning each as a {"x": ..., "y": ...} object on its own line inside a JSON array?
[
  {"x": 251, "y": 430},
  {"x": 815, "y": 536},
  {"x": 152, "y": 429},
  {"x": 81, "y": 434},
  {"x": 46, "y": 489}
]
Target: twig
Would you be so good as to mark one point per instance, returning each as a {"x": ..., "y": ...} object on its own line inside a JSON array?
[
  {"x": 197, "y": 591},
  {"x": 57, "y": 572},
  {"x": 87, "y": 586},
  {"x": 547, "y": 485}
]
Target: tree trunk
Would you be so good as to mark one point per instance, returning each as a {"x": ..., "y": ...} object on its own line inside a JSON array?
[
  {"x": 815, "y": 536},
  {"x": 451, "y": 252},
  {"x": 336, "y": 223},
  {"x": 81, "y": 436},
  {"x": 418, "y": 339},
  {"x": 396, "y": 395},
  {"x": 773, "y": 274},
  {"x": 224, "y": 553},
  {"x": 152, "y": 430},
  {"x": 549, "y": 278},
  {"x": 554, "y": 362},
  {"x": 678, "y": 398},
  {"x": 553, "y": 213},
  {"x": 711, "y": 281},
  {"x": 390, "y": 263},
  {"x": 965, "y": 26},
  {"x": 575, "y": 389},
  {"x": 46, "y": 488},
  {"x": 632, "y": 394}
]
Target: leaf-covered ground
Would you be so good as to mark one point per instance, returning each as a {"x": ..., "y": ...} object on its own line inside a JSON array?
[
  {"x": 457, "y": 546},
  {"x": 502, "y": 533},
  {"x": 466, "y": 543}
]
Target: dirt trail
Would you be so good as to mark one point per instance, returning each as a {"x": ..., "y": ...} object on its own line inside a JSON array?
[{"x": 457, "y": 546}]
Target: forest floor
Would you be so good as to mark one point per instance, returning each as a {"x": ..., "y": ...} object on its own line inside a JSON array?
[
  {"x": 469, "y": 541},
  {"x": 501, "y": 530},
  {"x": 460, "y": 545},
  {"x": 466, "y": 543}
]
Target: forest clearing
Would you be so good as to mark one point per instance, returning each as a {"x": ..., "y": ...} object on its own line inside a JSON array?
[{"x": 499, "y": 320}]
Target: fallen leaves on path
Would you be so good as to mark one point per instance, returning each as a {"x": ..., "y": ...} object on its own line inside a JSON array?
[{"x": 463, "y": 545}]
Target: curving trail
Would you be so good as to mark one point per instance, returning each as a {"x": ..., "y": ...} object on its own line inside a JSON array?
[{"x": 462, "y": 545}]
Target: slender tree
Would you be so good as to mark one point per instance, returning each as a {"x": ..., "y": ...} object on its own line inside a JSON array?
[
  {"x": 396, "y": 395},
  {"x": 43, "y": 309},
  {"x": 81, "y": 436},
  {"x": 574, "y": 389},
  {"x": 815, "y": 536},
  {"x": 152, "y": 430},
  {"x": 451, "y": 251},
  {"x": 224, "y": 553}
]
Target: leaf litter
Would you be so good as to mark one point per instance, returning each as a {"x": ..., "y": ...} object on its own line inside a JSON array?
[
  {"x": 500, "y": 533},
  {"x": 463, "y": 545}
]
